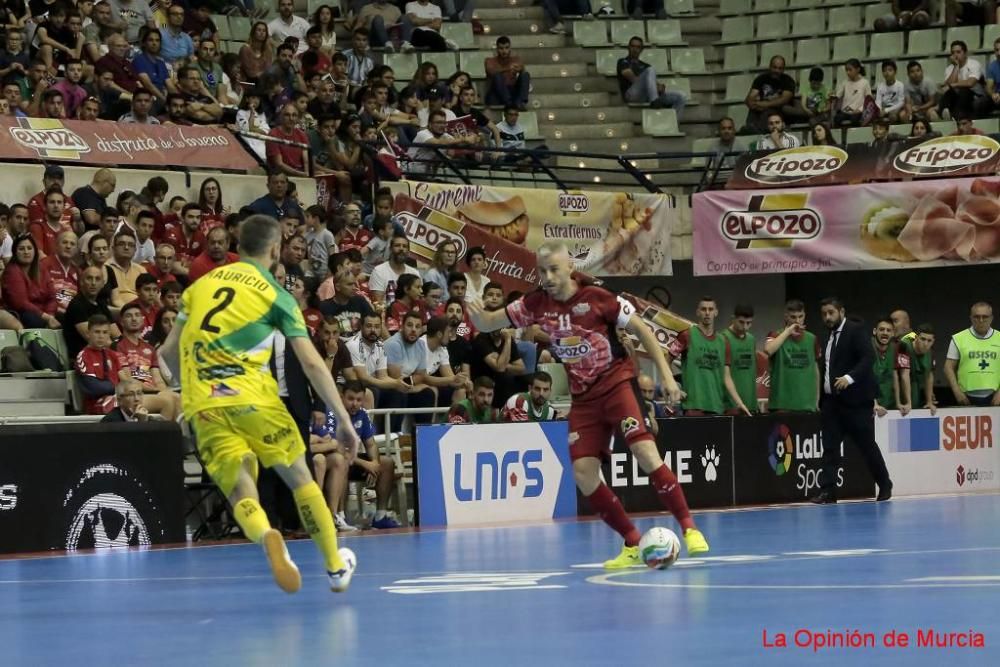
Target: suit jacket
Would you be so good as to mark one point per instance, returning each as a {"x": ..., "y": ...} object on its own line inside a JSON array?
[
  {"x": 302, "y": 400},
  {"x": 115, "y": 416},
  {"x": 854, "y": 356}
]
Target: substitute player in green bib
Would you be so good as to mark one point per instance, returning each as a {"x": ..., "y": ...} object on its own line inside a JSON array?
[
  {"x": 705, "y": 360},
  {"x": 916, "y": 371},
  {"x": 795, "y": 356},
  {"x": 885, "y": 366},
  {"x": 222, "y": 342},
  {"x": 742, "y": 368}
]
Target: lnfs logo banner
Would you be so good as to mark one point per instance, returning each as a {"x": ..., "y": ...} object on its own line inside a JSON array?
[{"x": 473, "y": 474}]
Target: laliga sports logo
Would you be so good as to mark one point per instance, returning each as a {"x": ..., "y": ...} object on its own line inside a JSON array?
[
  {"x": 779, "y": 449},
  {"x": 944, "y": 155},
  {"x": 796, "y": 164},
  {"x": 49, "y": 138},
  {"x": 772, "y": 221},
  {"x": 573, "y": 203}
]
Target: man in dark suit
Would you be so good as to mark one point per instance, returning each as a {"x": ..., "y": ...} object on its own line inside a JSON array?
[
  {"x": 848, "y": 400},
  {"x": 130, "y": 409}
]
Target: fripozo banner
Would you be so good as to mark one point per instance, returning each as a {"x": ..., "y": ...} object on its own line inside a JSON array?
[
  {"x": 106, "y": 143},
  {"x": 914, "y": 224},
  {"x": 609, "y": 233},
  {"x": 967, "y": 155}
]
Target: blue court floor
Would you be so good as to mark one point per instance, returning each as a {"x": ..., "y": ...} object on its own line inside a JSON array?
[{"x": 534, "y": 596}]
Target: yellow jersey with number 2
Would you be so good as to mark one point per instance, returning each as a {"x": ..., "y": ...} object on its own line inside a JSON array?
[{"x": 230, "y": 316}]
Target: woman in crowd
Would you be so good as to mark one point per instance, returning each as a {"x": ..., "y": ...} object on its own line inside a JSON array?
[
  {"x": 821, "y": 135},
  {"x": 409, "y": 297},
  {"x": 97, "y": 254},
  {"x": 213, "y": 211},
  {"x": 445, "y": 262},
  {"x": 28, "y": 291},
  {"x": 233, "y": 77},
  {"x": 409, "y": 105},
  {"x": 921, "y": 129},
  {"x": 323, "y": 19},
  {"x": 348, "y": 153},
  {"x": 162, "y": 327},
  {"x": 251, "y": 118},
  {"x": 304, "y": 291},
  {"x": 424, "y": 79},
  {"x": 456, "y": 82},
  {"x": 257, "y": 54}
]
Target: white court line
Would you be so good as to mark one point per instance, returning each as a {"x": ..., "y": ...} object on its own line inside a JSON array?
[
  {"x": 437, "y": 529},
  {"x": 608, "y": 580},
  {"x": 981, "y": 577}
]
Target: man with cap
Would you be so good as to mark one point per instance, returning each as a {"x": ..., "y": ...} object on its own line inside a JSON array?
[{"x": 53, "y": 175}]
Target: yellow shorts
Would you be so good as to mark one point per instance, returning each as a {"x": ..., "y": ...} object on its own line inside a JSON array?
[{"x": 227, "y": 436}]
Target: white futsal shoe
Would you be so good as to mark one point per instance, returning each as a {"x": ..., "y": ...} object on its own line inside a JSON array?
[{"x": 341, "y": 579}]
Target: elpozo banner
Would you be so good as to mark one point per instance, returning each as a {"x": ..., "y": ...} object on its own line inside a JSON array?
[
  {"x": 609, "y": 233},
  {"x": 106, "y": 143},
  {"x": 966, "y": 155},
  {"x": 916, "y": 224}
]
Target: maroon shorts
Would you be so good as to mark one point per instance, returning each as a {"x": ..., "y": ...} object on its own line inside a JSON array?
[{"x": 593, "y": 422}]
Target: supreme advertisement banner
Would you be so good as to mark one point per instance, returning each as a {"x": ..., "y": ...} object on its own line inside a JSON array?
[
  {"x": 698, "y": 449},
  {"x": 778, "y": 458},
  {"x": 965, "y": 155},
  {"x": 951, "y": 451},
  {"x": 104, "y": 143},
  {"x": 509, "y": 264},
  {"x": 608, "y": 233},
  {"x": 916, "y": 224}
]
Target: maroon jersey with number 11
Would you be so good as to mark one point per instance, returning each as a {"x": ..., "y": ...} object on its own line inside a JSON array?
[{"x": 582, "y": 330}]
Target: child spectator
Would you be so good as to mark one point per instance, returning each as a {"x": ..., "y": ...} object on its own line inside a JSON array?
[
  {"x": 851, "y": 95},
  {"x": 816, "y": 102},
  {"x": 377, "y": 251},
  {"x": 921, "y": 95},
  {"x": 890, "y": 96}
]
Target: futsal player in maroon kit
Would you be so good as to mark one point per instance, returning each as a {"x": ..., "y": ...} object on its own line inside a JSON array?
[{"x": 581, "y": 321}]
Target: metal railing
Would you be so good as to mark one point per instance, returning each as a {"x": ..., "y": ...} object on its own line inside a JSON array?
[{"x": 538, "y": 163}]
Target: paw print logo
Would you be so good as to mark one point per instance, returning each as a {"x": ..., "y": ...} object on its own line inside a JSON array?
[{"x": 710, "y": 462}]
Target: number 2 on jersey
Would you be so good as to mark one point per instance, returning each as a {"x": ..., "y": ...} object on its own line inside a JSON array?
[{"x": 226, "y": 294}]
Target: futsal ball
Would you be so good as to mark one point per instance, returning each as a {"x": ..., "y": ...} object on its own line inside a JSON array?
[{"x": 659, "y": 548}]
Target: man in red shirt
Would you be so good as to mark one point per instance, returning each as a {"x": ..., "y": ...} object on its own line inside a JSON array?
[
  {"x": 162, "y": 265},
  {"x": 98, "y": 367},
  {"x": 54, "y": 175},
  {"x": 187, "y": 241},
  {"x": 581, "y": 319},
  {"x": 290, "y": 160},
  {"x": 46, "y": 230},
  {"x": 116, "y": 61},
  {"x": 148, "y": 301},
  {"x": 139, "y": 361},
  {"x": 354, "y": 235},
  {"x": 216, "y": 254},
  {"x": 64, "y": 274}
]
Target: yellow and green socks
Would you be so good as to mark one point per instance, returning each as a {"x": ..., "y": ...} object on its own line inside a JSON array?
[
  {"x": 251, "y": 518},
  {"x": 318, "y": 522}
]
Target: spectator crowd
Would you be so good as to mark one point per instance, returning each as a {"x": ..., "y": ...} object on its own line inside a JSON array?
[{"x": 304, "y": 104}]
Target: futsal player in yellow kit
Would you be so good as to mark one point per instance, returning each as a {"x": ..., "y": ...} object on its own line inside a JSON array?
[{"x": 224, "y": 336}]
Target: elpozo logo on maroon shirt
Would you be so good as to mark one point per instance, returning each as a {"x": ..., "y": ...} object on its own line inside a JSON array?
[
  {"x": 792, "y": 165},
  {"x": 944, "y": 155}
]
